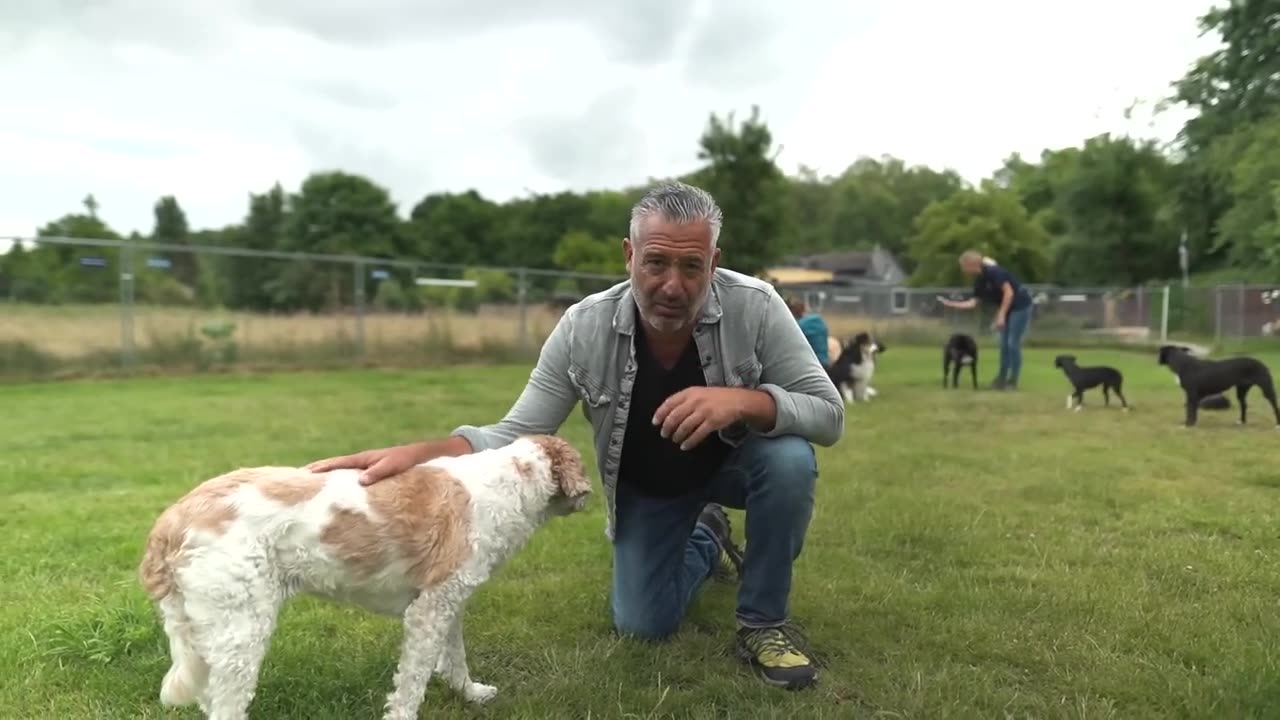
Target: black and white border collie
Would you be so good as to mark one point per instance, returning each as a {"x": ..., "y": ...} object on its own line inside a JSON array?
[{"x": 853, "y": 369}]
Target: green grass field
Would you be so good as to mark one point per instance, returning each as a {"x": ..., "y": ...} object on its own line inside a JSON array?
[{"x": 972, "y": 555}]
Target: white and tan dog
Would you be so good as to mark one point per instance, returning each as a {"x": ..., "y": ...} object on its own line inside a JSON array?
[{"x": 221, "y": 561}]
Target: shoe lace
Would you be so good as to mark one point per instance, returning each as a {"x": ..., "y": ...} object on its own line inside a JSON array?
[{"x": 785, "y": 639}]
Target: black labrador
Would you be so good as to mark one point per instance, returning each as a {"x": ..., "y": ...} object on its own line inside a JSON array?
[{"x": 1201, "y": 377}]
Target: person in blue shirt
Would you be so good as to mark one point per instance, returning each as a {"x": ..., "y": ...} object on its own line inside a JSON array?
[
  {"x": 813, "y": 327},
  {"x": 997, "y": 286}
]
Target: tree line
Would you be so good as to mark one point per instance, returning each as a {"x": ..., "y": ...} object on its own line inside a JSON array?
[{"x": 1110, "y": 211}]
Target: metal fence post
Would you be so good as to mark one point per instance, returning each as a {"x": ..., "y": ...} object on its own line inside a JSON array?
[
  {"x": 1164, "y": 315},
  {"x": 522, "y": 294},
  {"x": 126, "y": 307},
  {"x": 1142, "y": 306},
  {"x": 358, "y": 268},
  {"x": 1217, "y": 315},
  {"x": 1240, "y": 326}
]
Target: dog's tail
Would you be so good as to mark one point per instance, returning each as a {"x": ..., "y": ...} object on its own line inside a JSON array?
[{"x": 189, "y": 673}]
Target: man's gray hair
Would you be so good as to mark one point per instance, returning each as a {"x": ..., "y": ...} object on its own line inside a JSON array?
[{"x": 677, "y": 203}]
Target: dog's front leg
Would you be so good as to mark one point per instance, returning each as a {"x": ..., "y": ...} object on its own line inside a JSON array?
[
  {"x": 426, "y": 624},
  {"x": 1193, "y": 404},
  {"x": 453, "y": 667}
]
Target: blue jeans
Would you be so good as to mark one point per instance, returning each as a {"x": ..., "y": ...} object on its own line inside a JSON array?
[
  {"x": 1015, "y": 326},
  {"x": 661, "y": 555}
]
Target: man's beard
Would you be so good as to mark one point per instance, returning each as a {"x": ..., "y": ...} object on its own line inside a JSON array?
[{"x": 673, "y": 324}]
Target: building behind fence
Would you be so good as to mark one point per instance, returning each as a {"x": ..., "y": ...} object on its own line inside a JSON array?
[{"x": 77, "y": 304}]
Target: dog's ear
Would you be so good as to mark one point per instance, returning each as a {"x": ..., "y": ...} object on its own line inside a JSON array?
[{"x": 567, "y": 471}]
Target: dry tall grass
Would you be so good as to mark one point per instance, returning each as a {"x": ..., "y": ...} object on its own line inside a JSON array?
[
  {"x": 71, "y": 331},
  {"x": 38, "y": 340}
]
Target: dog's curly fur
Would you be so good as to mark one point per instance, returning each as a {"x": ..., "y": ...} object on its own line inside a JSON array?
[{"x": 221, "y": 561}]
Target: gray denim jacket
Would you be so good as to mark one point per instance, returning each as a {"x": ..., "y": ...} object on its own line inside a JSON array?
[{"x": 747, "y": 338}]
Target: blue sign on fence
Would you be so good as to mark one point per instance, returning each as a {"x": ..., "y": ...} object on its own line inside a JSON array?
[
  {"x": 93, "y": 262},
  {"x": 159, "y": 262},
  {"x": 379, "y": 274}
]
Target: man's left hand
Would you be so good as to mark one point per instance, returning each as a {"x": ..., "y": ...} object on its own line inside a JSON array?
[{"x": 689, "y": 416}]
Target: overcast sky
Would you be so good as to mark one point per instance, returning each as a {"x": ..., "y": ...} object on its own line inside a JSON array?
[{"x": 211, "y": 99}]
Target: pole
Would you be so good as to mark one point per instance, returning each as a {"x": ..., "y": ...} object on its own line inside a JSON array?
[
  {"x": 1217, "y": 316},
  {"x": 358, "y": 269},
  {"x": 1184, "y": 259},
  {"x": 1164, "y": 315},
  {"x": 126, "y": 307},
  {"x": 1240, "y": 324},
  {"x": 522, "y": 293}
]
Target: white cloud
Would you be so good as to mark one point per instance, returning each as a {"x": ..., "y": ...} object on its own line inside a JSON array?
[{"x": 133, "y": 99}]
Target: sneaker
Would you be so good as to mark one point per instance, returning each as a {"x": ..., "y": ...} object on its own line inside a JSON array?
[
  {"x": 729, "y": 565},
  {"x": 776, "y": 655}
]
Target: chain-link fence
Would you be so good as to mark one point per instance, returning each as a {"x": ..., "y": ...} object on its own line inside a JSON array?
[
  {"x": 1226, "y": 316},
  {"x": 84, "y": 305}
]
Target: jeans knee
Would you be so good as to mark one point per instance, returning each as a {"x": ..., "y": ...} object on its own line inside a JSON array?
[
  {"x": 790, "y": 470},
  {"x": 643, "y": 623}
]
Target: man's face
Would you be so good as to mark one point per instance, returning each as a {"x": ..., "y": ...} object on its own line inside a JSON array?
[{"x": 671, "y": 267}]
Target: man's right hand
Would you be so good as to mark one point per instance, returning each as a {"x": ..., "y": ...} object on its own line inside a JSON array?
[
  {"x": 382, "y": 463},
  {"x": 376, "y": 464}
]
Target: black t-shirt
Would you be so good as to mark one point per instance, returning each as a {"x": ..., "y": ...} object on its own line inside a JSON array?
[
  {"x": 987, "y": 287},
  {"x": 651, "y": 464}
]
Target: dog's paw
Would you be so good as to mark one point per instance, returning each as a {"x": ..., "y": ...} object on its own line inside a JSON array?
[{"x": 479, "y": 693}]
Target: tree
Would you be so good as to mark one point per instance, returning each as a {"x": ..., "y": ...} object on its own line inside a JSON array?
[
  {"x": 75, "y": 273},
  {"x": 1116, "y": 202},
  {"x": 340, "y": 214},
  {"x": 579, "y": 252},
  {"x": 878, "y": 200},
  {"x": 1039, "y": 185},
  {"x": 1236, "y": 85},
  {"x": 264, "y": 228},
  {"x": 171, "y": 228},
  {"x": 454, "y": 228},
  {"x": 1248, "y": 162},
  {"x": 990, "y": 220},
  {"x": 749, "y": 188}
]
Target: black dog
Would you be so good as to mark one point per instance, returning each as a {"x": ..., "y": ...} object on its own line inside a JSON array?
[
  {"x": 960, "y": 350},
  {"x": 1200, "y": 378},
  {"x": 1083, "y": 378}
]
